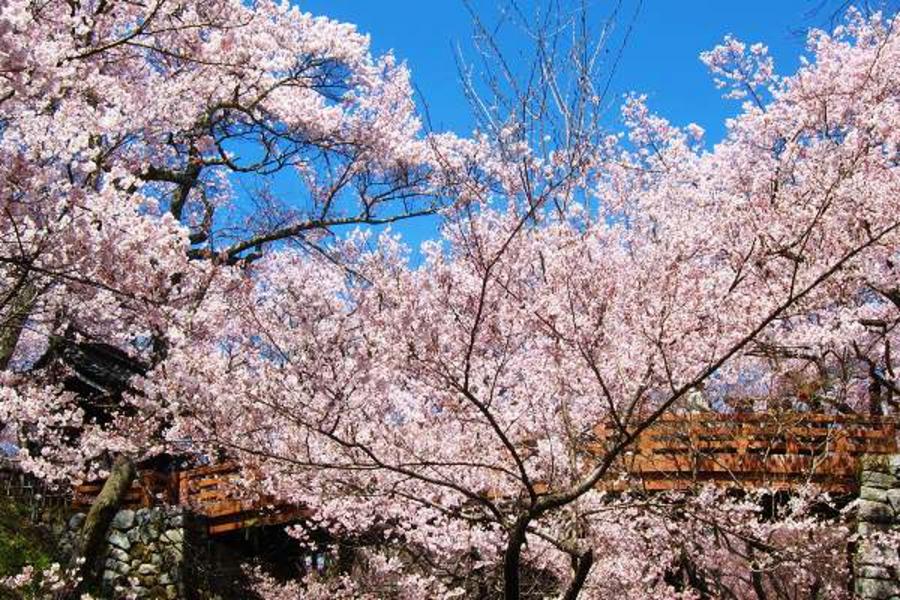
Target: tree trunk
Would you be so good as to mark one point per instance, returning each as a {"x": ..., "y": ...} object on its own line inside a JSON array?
[
  {"x": 582, "y": 568},
  {"x": 99, "y": 517},
  {"x": 511, "y": 558}
]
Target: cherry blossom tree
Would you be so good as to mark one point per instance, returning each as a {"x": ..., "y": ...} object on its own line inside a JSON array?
[
  {"x": 440, "y": 416},
  {"x": 149, "y": 149},
  {"x": 138, "y": 140}
]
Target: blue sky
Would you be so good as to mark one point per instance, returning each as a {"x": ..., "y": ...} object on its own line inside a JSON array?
[{"x": 660, "y": 59}]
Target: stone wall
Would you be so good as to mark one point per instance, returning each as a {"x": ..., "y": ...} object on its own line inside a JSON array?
[
  {"x": 146, "y": 549},
  {"x": 876, "y": 564},
  {"x": 165, "y": 553},
  {"x": 145, "y": 552}
]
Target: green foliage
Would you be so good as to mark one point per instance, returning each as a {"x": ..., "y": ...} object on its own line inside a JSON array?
[{"x": 22, "y": 542}]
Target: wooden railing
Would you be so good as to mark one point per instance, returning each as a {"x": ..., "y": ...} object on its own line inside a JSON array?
[
  {"x": 150, "y": 488},
  {"x": 771, "y": 450},
  {"x": 213, "y": 493},
  {"x": 778, "y": 450}
]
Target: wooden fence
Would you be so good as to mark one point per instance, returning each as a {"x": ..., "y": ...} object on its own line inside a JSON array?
[
  {"x": 771, "y": 450},
  {"x": 29, "y": 491},
  {"x": 215, "y": 493},
  {"x": 212, "y": 492},
  {"x": 777, "y": 450}
]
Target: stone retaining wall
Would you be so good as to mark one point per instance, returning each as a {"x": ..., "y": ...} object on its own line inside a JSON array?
[
  {"x": 145, "y": 552},
  {"x": 876, "y": 564},
  {"x": 146, "y": 549}
]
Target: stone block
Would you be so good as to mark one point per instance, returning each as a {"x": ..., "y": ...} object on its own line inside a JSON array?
[
  {"x": 173, "y": 536},
  {"x": 874, "y": 512},
  {"x": 157, "y": 591},
  {"x": 876, "y": 589},
  {"x": 893, "y": 499},
  {"x": 119, "y": 539},
  {"x": 147, "y": 569},
  {"x": 874, "y": 572},
  {"x": 878, "y": 553},
  {"x": 76, "y": 521},
  {"x": 149, "y": 533},
  {"x": 864, "y": 529},
  {"x": 119, "y": 554},
  {"x": 878, "y": 480},
  {"x": 874, "y": 494},
  {"x": 876, "y": 462},
  {"x": 123, "y": 520},
  {"x": 65, "y": 547}
]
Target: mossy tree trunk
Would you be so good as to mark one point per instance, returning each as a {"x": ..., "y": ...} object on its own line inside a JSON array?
[{"x": 99, "y": 517}]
